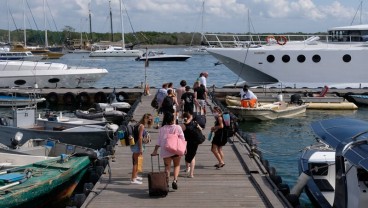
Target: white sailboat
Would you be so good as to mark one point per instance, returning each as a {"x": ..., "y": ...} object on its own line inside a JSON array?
[
  {"x": 198, "y": 50},
  {"x": 117, "y": 51}
]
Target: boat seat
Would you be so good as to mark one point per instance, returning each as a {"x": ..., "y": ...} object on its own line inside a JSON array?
[{"x": 324, "y": 185}]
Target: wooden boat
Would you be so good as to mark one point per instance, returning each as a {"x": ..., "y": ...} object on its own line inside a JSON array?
[
  {"x": 23, "y": 120},
  {"x": 42, "y": 184},
  {"x": 318, "y": 103},
  {"x": 334, "y": 172},
  {"x": 268, "y": 111}
]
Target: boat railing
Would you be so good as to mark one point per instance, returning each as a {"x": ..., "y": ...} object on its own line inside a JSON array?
[{"x": 256, "y": 40}]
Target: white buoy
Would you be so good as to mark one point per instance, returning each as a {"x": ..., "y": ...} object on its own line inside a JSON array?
[{"x": 300, "y": 183}]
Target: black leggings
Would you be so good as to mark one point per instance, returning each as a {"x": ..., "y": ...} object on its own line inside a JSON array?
[{"x": 191, "y": 152}]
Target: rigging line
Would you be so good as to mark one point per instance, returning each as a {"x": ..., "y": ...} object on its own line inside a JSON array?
[
  {"x": 53, "y": 20},
  {"x": 241, "y": 71},
  {"x": 130, "y": 22}
]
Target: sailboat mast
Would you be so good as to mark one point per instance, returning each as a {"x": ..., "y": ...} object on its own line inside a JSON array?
[
  {"x": 122, "y": 24},
  {"x": 202, "y": 22},
  {"x": 44, "y": 19},
  {"x": 7, "y": 7},
  {"x": 24, "y": 24},
  {"x": 90, "y": 21},
  {"x": 112, "y": 33}
]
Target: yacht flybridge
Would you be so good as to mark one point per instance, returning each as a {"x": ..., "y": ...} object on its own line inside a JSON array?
[{"x": 336, "y": 59}]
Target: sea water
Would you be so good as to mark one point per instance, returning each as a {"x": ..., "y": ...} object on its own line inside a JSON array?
[{"x": 280, "y": 141}]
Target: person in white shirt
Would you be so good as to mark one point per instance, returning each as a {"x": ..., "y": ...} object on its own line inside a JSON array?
[
  {"x": 203, "y": 78},
  {"x": 247, "y": 97}
]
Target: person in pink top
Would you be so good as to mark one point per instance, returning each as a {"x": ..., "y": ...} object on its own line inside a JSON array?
[{"x": 169, "y": 127}]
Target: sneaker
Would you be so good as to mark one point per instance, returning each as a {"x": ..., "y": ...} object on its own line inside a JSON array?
[
  {"x": 139, "y": 178},
  {"x": 174, "y": 185},
  {"x": 190, "y": 176},
  {"x": 135, "y": 181}
]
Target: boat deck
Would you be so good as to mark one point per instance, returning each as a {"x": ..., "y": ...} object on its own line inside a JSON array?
[{"x": 242, "y": 182}]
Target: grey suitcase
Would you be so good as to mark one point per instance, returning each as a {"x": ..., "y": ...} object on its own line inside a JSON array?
[{"x": 157, "y": 181}]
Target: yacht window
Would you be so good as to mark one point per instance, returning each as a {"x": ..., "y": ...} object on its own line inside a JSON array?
[
  {"x": 270, "y": 58},
  {"x": 320, "y": 169},
  {"x": 285, "y": 58},
  {"x": 54, "y": 80},
  {"x": 346, "y": 58},
  {"x": 301, "y": 58},
  {"x": 19, "y": 82},
  {"x": 316, "y": 58}
]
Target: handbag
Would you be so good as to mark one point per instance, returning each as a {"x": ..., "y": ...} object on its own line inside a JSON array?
[
  {"x": 154, "y": 102},
  {"x": 175, "y": 145},
  {"x": 146, "y": 139},
  {"x": 140, "y": 164}
]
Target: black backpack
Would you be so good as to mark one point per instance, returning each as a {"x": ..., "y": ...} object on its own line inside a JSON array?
[
  {"x": 195, "y": 132},
  {"x": 126, "y": 132},
  {"x": 232, "y": 127}
]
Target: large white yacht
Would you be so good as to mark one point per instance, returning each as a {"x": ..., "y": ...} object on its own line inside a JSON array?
[
  {"x": 337, "y": 59},
  {"x": 47, "y": 75},
  {"x": 116, "y": 51}
]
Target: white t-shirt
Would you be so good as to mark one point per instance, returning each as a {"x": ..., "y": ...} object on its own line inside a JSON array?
[
  {"x": 247, "y": 95},
  {"x": 203, "y": 81}
]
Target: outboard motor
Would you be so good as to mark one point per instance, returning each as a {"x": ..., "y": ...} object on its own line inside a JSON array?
[
  {"x": 3, "y": 121},
  {"x": 16, "y": 140},
  {"x": 296, "y": 99}
]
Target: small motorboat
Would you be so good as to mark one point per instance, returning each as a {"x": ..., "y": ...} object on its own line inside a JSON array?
[
  {"x": 360, "y": 99},
  {"x": 268, "y": 111},
  {"x": 109, "y": 115},
  {"x": 13, "y": 98},
  {"x": 334, "y": 172},
  {"x": 44, "y": 183},
  {"x": 156, "y": 56}
]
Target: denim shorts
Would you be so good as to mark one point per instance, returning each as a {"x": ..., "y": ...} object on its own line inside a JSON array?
[{"x": 135, "y": 148}]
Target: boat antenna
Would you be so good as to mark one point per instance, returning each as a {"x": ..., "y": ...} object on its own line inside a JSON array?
[
  {"x": 360, "y": 8},
  {"x": 112, "y": 32},
  {"x": 90, "y": 20}
]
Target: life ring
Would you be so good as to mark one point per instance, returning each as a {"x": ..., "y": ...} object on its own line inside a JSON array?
[
  {"x": 69, "y": 98},
  {"x": 281, "y": 40},
  {"x": 122, "y": 97},
  {"x": 52, "y": 98},
  {"x": 100, "y": 97},
  {"x": 83, "y": 98},
  {"x": 270, "y": 38}
]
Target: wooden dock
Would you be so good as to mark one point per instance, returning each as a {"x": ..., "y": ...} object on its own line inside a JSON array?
[{"x": 242, "y": 182}]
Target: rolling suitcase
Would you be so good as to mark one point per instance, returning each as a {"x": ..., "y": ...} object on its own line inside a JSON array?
[
  {"x": 200, "y": 118},
  {"x": 157, "y": 181}
]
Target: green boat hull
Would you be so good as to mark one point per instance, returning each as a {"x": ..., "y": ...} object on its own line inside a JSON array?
[{"x": 51, "y": 183}]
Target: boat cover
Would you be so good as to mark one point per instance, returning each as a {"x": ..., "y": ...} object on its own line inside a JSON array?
[{"x": 350, "y": 132}]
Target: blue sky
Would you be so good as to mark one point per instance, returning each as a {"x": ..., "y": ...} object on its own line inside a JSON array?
[{"x": 272, "y": 16}]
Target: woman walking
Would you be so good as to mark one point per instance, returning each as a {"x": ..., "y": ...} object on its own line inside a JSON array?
[
  {"x": 137, "y": 149},
  {"x": 192, "y": 144},
  {"x": 169, "y": 127},
  {"x": 220, "y": 138}
]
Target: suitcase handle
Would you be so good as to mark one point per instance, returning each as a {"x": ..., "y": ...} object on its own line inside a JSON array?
[{"x": 158, "y": 162}]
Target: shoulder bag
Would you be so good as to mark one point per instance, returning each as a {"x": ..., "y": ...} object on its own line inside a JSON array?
[{"x": 175, "y": 145}]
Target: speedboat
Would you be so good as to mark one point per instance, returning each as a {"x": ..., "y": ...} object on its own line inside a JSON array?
[
  {"x": 6, "y": 54},
  {"x": 23, "y": 120},
  {"x": 334, "y": 172},
  {"x": 48, "y": 75},
  {"x": 159, "y": 56},
  {"x": 116, "y": 51},
  {"x": 337, "y": 59}
]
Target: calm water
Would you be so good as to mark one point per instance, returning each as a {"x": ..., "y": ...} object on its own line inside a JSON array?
[{"x": 280, "y": 140}]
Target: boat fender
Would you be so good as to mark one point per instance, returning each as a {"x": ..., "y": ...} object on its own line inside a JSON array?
[
  {"x": 16, "y": 140},
  {"x": 52, "y": 98},
  {"x": 87, "y": 188},
  {"x": 83, "y": 98},
  {"x": 266, "y": 164},
  {"x": 112, "y": 127},
  {"x": 276, "y": 179},
  {"x": 122, "y": 97},
  {"x": 293, "y": 199},
  {"x": 284, "y": 188},
  {"x": 69, "y": 98},
  {"x": 100, "y": 97},
  {"x": 79, "y": 199},
  {"x": 300, "y": 183},
  {"x": 92, "y": 155},
  {"x": 3, "y": 121}
]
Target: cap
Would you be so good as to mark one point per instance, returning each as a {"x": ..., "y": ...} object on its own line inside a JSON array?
[{"x": 187, "y": 87}]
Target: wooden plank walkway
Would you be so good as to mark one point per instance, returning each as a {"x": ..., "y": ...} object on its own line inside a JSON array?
[{"x": 240, "y": 183}]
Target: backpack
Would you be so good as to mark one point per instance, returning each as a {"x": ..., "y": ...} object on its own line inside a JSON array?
[
  {"x": 127, "y": 133},
  {"x": 160, "y": 96},
  {"x": 167, "y": 104},
  {"x": 195, "y": 132},
  {"x": 230, "y": 124}
]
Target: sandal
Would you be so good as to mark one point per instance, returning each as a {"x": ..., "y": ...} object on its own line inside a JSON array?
[{"x": 218, "y": 166}]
